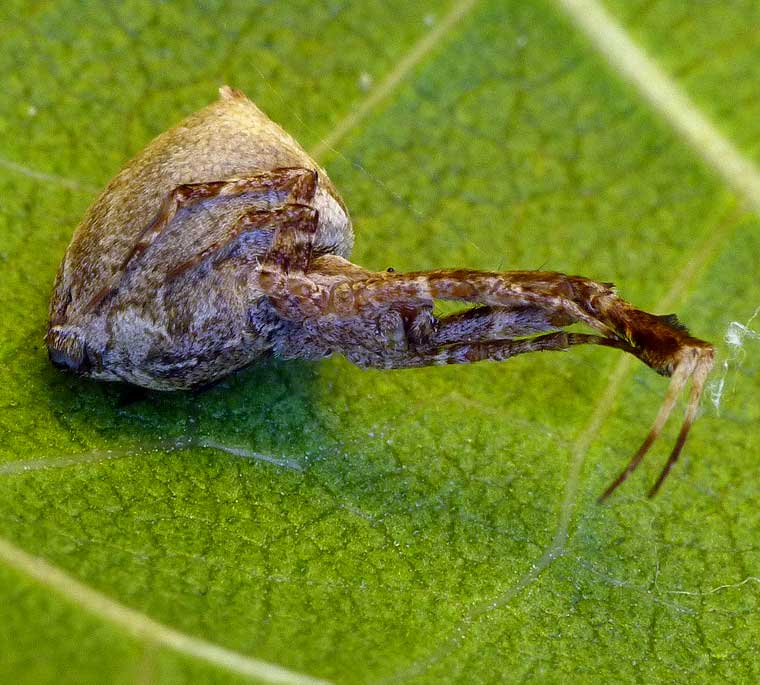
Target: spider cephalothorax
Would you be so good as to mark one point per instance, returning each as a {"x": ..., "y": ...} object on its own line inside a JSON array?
[{"x": 223, "y": 241}]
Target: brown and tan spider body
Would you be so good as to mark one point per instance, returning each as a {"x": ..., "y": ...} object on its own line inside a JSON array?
[{"x": 223, "y": 241}]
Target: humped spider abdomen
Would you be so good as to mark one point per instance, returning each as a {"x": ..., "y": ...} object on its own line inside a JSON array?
[{"x": 172, "y": 306}]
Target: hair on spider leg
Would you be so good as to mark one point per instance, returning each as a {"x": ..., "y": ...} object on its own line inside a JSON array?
[{"x": 673, "y": 321}]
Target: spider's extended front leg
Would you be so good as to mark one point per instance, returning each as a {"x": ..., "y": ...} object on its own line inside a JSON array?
[
  {"x": 341, "y": 298},
  {"x": 267, "y": 190},
  {"x": 271, "y": 188},
  {"x": 659, "y": 341}
]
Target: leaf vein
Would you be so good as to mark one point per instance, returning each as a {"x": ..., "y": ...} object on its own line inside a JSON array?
[
  {"x": 142, "y": 626},
  {"x": 666, "y": 96},
  {"x": 393, "y": 78}
]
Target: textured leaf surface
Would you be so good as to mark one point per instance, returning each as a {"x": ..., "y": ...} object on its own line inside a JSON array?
[
  {"x": 711, "y": 50},
  {"x": 427, "y": 526}
]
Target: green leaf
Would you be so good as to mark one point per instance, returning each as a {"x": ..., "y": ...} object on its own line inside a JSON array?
[{"x": 423, "y": 526}]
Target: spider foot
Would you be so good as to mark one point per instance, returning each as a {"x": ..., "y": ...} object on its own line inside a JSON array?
[{"x": 693, "y": 361}]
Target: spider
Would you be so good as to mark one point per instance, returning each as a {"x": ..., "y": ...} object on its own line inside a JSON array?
[{"x": 223, "y": 242}]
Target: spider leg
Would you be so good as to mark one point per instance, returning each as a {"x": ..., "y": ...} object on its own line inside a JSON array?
[
  {"x": 689, "y": 368},
  {"x": 293, "y": 242},
  {"x": 492, "y": 323},
  {"x": 659, "y": 341},
  {"x": 697, "y": 387},
  {"x": 281, "y": 220},
  {"x": 295, "y": 184},
  {"x": 270, "y": 189},
  {"x": 330, "y": 292},
  {"x": 491, "y": 350}
]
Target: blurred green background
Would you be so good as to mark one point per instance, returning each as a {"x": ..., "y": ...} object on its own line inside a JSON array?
[{"x": 441, "y": 525}]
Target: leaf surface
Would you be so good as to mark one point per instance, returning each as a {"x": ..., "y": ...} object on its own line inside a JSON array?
[{"x": 424, "y": 526}]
